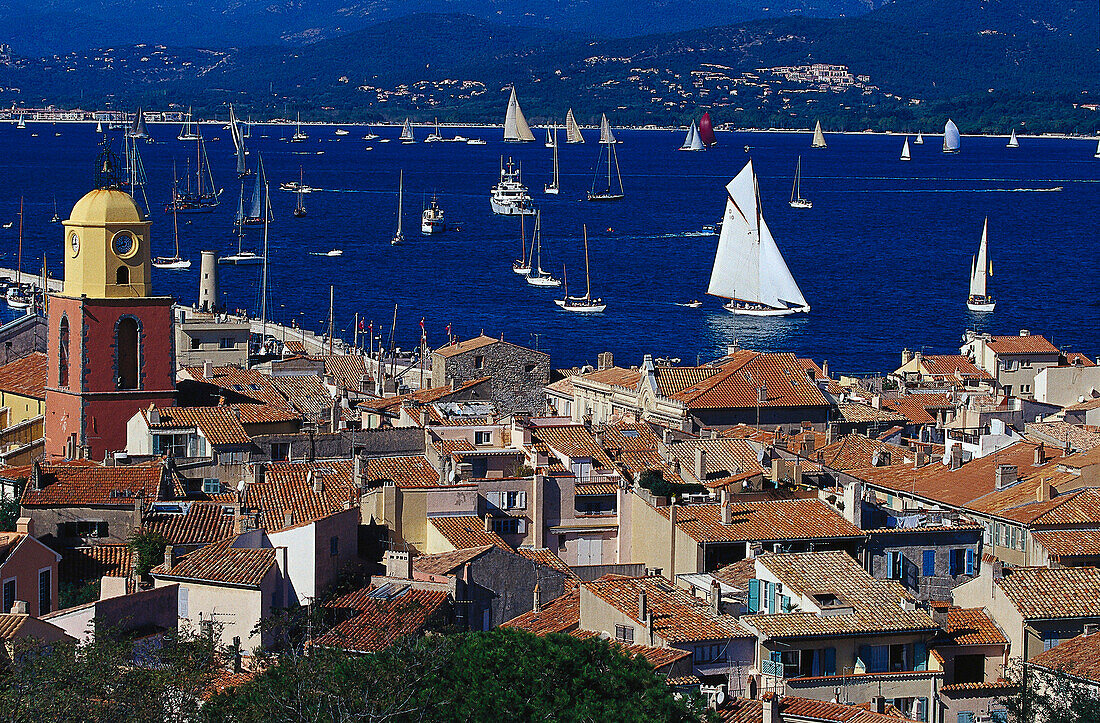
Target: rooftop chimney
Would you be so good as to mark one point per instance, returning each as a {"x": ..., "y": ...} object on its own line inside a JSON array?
[
  {"x": 727, "y": 513},
  {"x": 399, "y": 564},
  {"x": 878, "y": 704},
  {"x": 1025, "y": 332},
  {"x": 1040, "y": 455},
  {"x": 536, "y": 603},
  {"x": 25, "y": 526},
  {"x": 208, "y": 369},
  {"x": 19, "y": 607},
  {"x": 956, "y": 456},
  {"x": 715, "y": 596},
  {"x": 317, "y": 480},
  {"x": 643, "y": 604},
  {"x": 700, "y": 464},
  {"x": 169, "y": 556},
  {"x": 1043, "y": 491},
  {"x": 1005, "y": 476},
  {"x": 605, "y": 360}
]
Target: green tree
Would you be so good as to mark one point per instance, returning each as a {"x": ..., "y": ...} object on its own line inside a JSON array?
[
  {"x": 1045, "y": 696},
  {"x": 9, "y": 514},
  {"x": 149, "y": 548}
]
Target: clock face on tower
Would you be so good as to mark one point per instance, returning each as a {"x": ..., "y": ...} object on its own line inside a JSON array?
[
  {"x": 124, "y": 243},
  {"x": 74, "y": 241}
]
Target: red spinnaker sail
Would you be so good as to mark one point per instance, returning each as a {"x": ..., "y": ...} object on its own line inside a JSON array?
[{"x": 706, "y": 131}]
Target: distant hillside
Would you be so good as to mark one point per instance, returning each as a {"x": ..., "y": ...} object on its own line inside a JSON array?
[
  {"x": 64, "y": 25},
  {"x": 996, "y": 61}
]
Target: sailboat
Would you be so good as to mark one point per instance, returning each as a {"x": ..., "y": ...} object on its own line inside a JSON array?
[
  {"x": 819, "y": 137},
  {"x": 16, "y": 295},
  {"x": 572, "y": 130},
  {"x": 515, "y": 125},
  {"x": 692, "y": 141},
  {"x": 796, "y": 190},
  {"x": 981, "y": 266},
  {"x": 99, "y": 126},
  {"x": 255, "y": 216},
  {"x": 138, "y": 131},
  {"x": 298, "y": 136},
  {"x": 551, "y": 139},
  {"x": 434, "y": 136},
  {"x": 22, "y": 124},
  {"x": 204, "y": 199},
  {"x": 552, "y": 189},
  {"x": 189, "y": 132},
  {"x": 1012, "y": 142},
  {"x": 950, "y": 137},
  {"x": 610, "y": 194},
  {"x": 540, "y": 278},
  {"x": 1097, "y": 154},
  {"x": 371, "y": 135},
  {"x": 238, "y": 144},
  {"x": 398, "y": 236},
  {"x": 583, "y": 304},
  {"x": 134, "y": 170},
  {"x": 522, "y": 265},
  {"x": 905, "y": 155},
  {"x": 173, "y": 262},
  {"x": 749, "y": 269},
  {"x": 919, "y": 140},
  {"x": 55, "y": 218},
  {"x": 606, "y": 136},
  {"x": 706, "y": 131},
  {"x": 300, "y": 207},
  {"x": 431, "y": 220},
  {"x": 407, "y": 133}
]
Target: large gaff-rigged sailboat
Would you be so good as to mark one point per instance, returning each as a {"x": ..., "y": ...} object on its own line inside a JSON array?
[
  {"x": 951, "y": 137},
  {"x": 238, "y": 144},
  {"x": 819, "y": 137},
  {"x": 608, "y": 192},
  {"x": 515, "y": 125},
  {"x": 980, "y": 266},
  {"x": 749, "y": 269},
  {"x": 582, "y": 304},
  {"x": 204, "y": 198},
  {"x": 572, "y": 130},
  {"x": 692, "y": 141},
  {"x": 177, "y": 261}
]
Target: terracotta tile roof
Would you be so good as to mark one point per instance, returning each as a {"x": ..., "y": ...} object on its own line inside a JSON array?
[
  {"x": 596, "y": 488},
  {"x": 466, "y": 532},
  {"x": 227, "y": 679},
  {"x": 8, "y": 542},
  {"x": 11, "y": 624},
  {"x": 855, "y": 451},
  {"x": 461, "y": 347},
  {"x": 1079, "y": 656},
  {"x": 25, "y": 376},
  {"x": 725, "y": 457},
  {"x": 444, "y": 563},
  {"x": 422, "y": 396},
  {"x": 347, "y": 371},
  {"x": 447, "y": 447},
  {"x": 993, "y": 686},
  {"x": 865, "y": 413},
  {"x": 737, "y": 574},
  {"x": 673, "y": 380},
  {"x": 1061, "y": 433},
  {"x": 953, "y": 366},
  {"x": 560, "y": 615},
  {"x": 295, "y": 347},
  {"x": 221, "y": 425},
  {"x": 1075, "y": 358},
  {"x": 1040, "y": 592},
  {"x": 379, "y": 622},
  {"x": 614, "y": 376},
  {"x": 919, "y": 408},
  {"x": 266, "y": 413},
  {"x": 544, "y": 557},
  {"x": 95, "y": 561},
  {"x": 249, "y": 382},
  {"x": 740, "y": 710},
  {"x": 1015, "y": 344},
  {"x": 677, "y": 616},
  {"x": 736, "y": 384},
  {"x": 306, "y": 394},
  {"x": 69, "y": 484},
  {"x": 1084, "y": 406},
  {"x": 972, "y": 626},
  {"x": 562, "y": 387},
  {"x": 876, "y": 604},
  {"x": 657, "y": 657},
  {"x": 220, "y": 562},
  {"x": 1081, "y": 460},
  {"x": 572, "y": 440},
  {"x": 800, "y": 519},
  {"x": 1068, "y": 543},
  {"x": 406, "y": 471},
  {"x": 829, "y": 712},
  {"x": 287, "y": 487},
  {"x": 200, "y": 522}
]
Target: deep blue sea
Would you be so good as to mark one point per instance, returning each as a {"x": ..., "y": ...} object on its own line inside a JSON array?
[{"x": 883, "y": 256}]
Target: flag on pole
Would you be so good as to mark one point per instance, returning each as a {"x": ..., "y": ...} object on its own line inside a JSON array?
[{"x": 423, "y": 333}]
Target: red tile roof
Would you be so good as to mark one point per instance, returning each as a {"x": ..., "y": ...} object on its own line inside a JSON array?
[
  {"x": 380, "y": 622},
  {"x": 955, "y": 366},
  {"x": 222, "y": 563},
  {"x": 737, "y": 381},
  {"x": 560, "y": 615},
  {"x": 1040, "y": 592},
  {"x": 853, "y": 451},
  {"x": 95, "y": 561},
  {"x": 80, "y": 483},
  {"x": 1079, "y": 656},
  {"x": 800, "y": 519},
  {"x": 347, "y": 371},
  {"x": 461, "y": 347},
  {"x": 466, "y": 532},
  {"x": 919, "y": 408},
  {"x": 657, "y": 657},
  {"x": 248, "y": 382},
  {"x": 444, "y": 563},
  {"x": 201, "y": 522},
  {"x": 287, "y": 487},
  {"x": 1030, "y": 344},
  {"x": 221, "y": 425},
  {"x": 1068, "y": 543},
  {"x": 306, "y": 394},
  {"x": 543, "y": 556},
  {"x": 614, "y": 376},
  {"x": 972, "y": 626},
  {"x": 25, "y": 376},
  {"x": 677, "y": 616}
]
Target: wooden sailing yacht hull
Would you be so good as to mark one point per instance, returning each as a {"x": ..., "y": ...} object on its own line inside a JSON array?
[
  {"x": 733, "y": 308},
  {"x": 981, "y": 307}
]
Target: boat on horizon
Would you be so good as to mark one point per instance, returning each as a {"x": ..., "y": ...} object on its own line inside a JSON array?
[
  {"x": 21, "y": 124},
  {"x": 609, "y": 193},
  {"x": 204, "y": 198},
  {"x": 238, "y": 144},
  {"x": 583, "y": 304},
  {"x": 692, "y": 141},
  {"x": 550, "y": 139},
  {"x": 819, "y": 137},
  {"x": 1012, "y": 141},
  {"x": 342, "y": 132},
  {"x": 796, "y": 190},
  {"x": 606, "y": 136},
  {"x": 300, "y": 206},
  {"x": 138, "y": 131},
  {"x": 431, "y": 220},
  {"x": 298, "y": 136},
  {"x": 919, "y": 140},
  {"x": 190, "y": 130},
  {"x": 509, "y": 197},
  {"x": 434, "y": 136},
  {"x": 951, "y": 140},
  {"x": 516, "y": 129},
  {"x": 749, "y": 269},
  {"x": 706, "y": 131},
  {"x": 905, "y": 154},
  {"x": 572, "y": 130},
  {"x": 981, "y": 267},
  {"x": 407, "y": 136}
]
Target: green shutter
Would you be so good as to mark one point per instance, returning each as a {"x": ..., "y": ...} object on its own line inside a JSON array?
[
  {"x": 754, "y": 595},
  {"x": 920, "y": 656}
]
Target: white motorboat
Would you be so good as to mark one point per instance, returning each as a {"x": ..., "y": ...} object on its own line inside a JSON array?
[{"x": 510, "y": 197}]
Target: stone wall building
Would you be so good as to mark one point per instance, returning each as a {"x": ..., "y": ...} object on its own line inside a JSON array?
[{"x": 518, "y": 374}]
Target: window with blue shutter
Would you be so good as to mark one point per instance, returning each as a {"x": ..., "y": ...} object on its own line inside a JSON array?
[
  {"x": 786, "y": 605},
  {"x": 965, "y": 716},
  {"x": 771, "y": 597},
  {"x": 922, "y": 709},
  {"x": 891, "y": 556},
  {"x": 754, "y": 595},
  {"x": 828, "y": 664},
  {"x": 969, "y": 562},
  {"x": 928, "y": 566},
  {"x": 999, "y": 716},
  {"x": 920, "y": 656}
]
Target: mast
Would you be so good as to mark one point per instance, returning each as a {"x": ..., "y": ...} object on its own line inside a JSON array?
[
  {"x": 263, "y": 276},
  {"x": 555, "y": 156},
  {"x": 331, "y": 302},
  {"x": 176, "y": 230},
  {"x": 19, "y": 262},
  {"x": 522, "y": 240},
  {"x": 538, "y": 234},
  {"x": 797, "y": 172},
  {"x": 400, "y": 195},
  {"x": 587, "y": 278}
]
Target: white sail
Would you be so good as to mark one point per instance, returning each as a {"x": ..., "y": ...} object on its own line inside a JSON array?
[
  {"x": 689, "y": 139},
  {"x": 572, "y": 130},
  {"x": 696, "y": 139},
  {"x": 920, "y": 139},
  {"x": 748, "y": 265},
  {"x": 1012, "y": 142},
  {"x": 819, "y": 137},
  {"x": 407, "y": 131},
  {"x": 515, "y": 125},
  {"x": 905, "y": 156},
  {"x": 606, "y": 136},
  {"x": 980, "y": 264},
  {"x": 950, "y": 137},
  {"x": 1097, "y": 154}
]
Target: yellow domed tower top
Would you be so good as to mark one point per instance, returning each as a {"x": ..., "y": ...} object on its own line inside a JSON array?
[{"x": 107, "y": 247}]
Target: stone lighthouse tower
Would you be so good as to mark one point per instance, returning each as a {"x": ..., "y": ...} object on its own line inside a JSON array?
[{"x": 110, "y": 340}]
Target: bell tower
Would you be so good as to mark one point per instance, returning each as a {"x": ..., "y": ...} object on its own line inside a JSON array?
[{"x": 110, "y": 340}]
